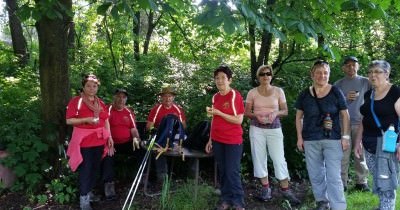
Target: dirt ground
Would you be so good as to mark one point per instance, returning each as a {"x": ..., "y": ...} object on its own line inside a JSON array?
[{"x": 17, "y": 201}]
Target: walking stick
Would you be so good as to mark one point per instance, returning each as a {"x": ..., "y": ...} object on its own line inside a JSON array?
[{"x": 139, "y": 175}]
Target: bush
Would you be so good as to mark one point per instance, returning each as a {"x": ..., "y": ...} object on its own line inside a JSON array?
[{"x": 20, "y": 129}]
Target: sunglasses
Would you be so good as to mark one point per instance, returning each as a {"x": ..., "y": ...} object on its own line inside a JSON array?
[
  {"x": 320, "y": 62},
  {"x": 265, "y": 74}
]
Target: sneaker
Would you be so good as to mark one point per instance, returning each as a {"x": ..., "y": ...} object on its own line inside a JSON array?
[
  {"x": 288, "y": 194},
  {"x": 322, "y": 205},
  {"x": 265, "y": 194},
  {"x": 362, "y": 187}
]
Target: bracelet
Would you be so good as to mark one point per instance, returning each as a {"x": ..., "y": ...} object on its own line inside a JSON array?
[{"x": 347, "y": 137}]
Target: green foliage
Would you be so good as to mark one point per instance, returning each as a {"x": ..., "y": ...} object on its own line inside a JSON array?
[
  {"x": 184, "y": 197},
  {"x": 63, "y": 190},
  {"x": 19, "y": 127},
  {"x": 165, "y": 195}
]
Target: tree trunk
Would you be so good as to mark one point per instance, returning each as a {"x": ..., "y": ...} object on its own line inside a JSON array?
[
  {"x": 265, "y": 48},
  {"x": 17, "y": 35},
  {"x": 110, "y": 47},
  {"x": 136, "y": 34},
  {"x": 253, "y": 57},
  {"x": 149, "y": 32},
  {"x": 54, "y": 80}
]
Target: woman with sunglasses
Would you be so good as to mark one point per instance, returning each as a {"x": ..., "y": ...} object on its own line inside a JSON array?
[
  {"x": 90, "y": 138},
  {"x": 265, "y": 105},
  {"x": 319, "y": 135},
  {"x": 384, "y": 166}
]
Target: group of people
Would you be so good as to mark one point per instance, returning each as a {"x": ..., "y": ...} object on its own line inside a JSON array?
[
  {"x": 100, "y": 131},
  {"x": 330, "y": 119}
]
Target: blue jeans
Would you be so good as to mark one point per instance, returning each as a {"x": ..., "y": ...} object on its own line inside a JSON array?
[
  {"x": 323, "y": 160},
  {"x": 228, "y": 158}
]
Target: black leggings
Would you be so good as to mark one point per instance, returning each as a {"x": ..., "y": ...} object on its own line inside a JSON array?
[{"x": 89, "y": 168}]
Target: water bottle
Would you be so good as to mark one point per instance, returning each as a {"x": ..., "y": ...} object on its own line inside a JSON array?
[
  {"x": 327, "y": 124},
  {"x": 389, "y": 140}
]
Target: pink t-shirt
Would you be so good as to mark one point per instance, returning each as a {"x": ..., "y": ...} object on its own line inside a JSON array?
[{"x": 262, "y": 105}]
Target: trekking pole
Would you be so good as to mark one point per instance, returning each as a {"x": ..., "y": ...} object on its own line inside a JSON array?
[{"x": 138, "y": 176}]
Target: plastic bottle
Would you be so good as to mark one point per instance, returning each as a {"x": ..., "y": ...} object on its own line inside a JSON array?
[
  {"x": 327, "y": 123},
  {"x": 389, "y": 140}
]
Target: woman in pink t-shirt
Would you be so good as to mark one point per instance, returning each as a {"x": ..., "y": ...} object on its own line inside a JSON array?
[
  {"x": 226, "y": 138},
  {"x": 265, "y": 105}
]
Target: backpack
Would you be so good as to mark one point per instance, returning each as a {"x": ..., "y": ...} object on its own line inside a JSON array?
[
  {"x": 198, "y": 138},
  {"x": 169, "y": 132}
]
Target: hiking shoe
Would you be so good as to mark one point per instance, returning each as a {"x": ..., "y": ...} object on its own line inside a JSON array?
[
  {"x": 322, "y": 205},
  {"x": 265, "y": 194},
  {"x": 93, "y": 197},
  {"x": 238, "y": 208},
  {"x": 362, "y": 187},
  {"x": 223, "y": 206},
  {"x": 109, "y": 191},
  {"x": 84, "y": 202},
  {"x": 288, "y": 194}
]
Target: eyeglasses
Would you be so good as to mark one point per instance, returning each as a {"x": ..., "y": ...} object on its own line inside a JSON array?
[
  {"x": 265, "y": 74},
  {"x": 319, "y": 62},
  {"x": 375, "y": 72}
]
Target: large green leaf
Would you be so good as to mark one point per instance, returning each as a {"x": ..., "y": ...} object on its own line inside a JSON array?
[
  {"x": 103, "y": 8},
  {"x": 147, "y": 4},
  {"x": 25, "y": 12},
  {"x": 229, "y": 26}
]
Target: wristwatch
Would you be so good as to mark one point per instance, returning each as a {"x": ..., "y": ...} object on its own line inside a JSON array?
[{"x": 347, "y": 137}]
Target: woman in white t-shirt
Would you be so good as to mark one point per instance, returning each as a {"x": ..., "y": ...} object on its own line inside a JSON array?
[{"x": 265, "y": 105}]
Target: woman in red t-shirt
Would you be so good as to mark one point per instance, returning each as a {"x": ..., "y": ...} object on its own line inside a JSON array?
[
  {"x": 90, "y": 138},
  {"x": 226, "y": 138}
]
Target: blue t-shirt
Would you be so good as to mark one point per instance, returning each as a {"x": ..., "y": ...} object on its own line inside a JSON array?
[{"x": 332, "y": 103}]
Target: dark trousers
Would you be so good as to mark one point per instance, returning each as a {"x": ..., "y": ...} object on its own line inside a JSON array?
[
  {"x": 108, "y": 163},
  {"x": 89, "y": 168},
  {"x": 228, "y": 158}
]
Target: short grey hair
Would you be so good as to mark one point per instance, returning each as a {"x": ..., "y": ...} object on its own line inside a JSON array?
[{"x": 382, "y": 64}]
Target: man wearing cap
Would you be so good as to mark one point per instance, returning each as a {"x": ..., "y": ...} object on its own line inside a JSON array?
[
  {"x": 353, "y": 87},
  {"x": 126, "y": 138},
  {"x": 167, "y": 106}
]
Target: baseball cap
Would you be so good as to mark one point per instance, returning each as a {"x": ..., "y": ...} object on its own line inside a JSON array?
[
  {"x": 120, "y": 90},
  {"x": 350, "y": 58}
]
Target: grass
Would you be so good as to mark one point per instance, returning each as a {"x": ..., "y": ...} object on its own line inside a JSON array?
[
  {"x": 356, "y": 200},
  {"x": 183, "y": 198}
]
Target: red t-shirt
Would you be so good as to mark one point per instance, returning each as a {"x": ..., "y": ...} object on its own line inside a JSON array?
[
  {"x": 159, "y": 111},
  {"x": 83, "y": 111},
  {"x": 121, "y": 123},
  {"x": 222, "y": 130}
]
